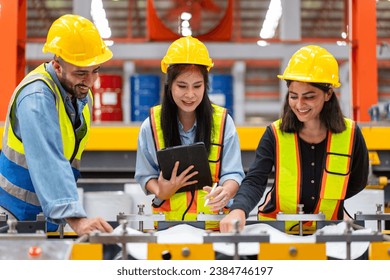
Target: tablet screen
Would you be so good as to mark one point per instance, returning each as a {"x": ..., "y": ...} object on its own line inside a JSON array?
[{"x": 193, "y": 154}]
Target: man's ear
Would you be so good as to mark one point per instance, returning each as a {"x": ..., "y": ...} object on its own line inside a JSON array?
[{"x": 56, "y": 66}]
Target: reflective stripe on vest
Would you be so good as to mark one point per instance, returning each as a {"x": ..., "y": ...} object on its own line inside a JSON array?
[
  {"x": 337, "y": 170},
  {"x": 175, "y": 207},
  {"x": 288, "y": 174},
  {"x": 15, "y": 180}
]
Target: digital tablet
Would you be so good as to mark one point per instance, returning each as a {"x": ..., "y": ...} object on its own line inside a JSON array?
[{"x": 193, "y": 154}]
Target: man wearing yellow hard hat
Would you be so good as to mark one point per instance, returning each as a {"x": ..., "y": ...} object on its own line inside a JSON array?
[
  {"x": 319, "y": 156},
  {"x": 186, "y": 115},
  {"x": 47, "y": 128}
]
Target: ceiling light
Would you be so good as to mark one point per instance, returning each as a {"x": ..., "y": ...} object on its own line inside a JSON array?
[
  {"x": 185, "y": 16},
  {"x": 185, "y": 26},
  {"x": 98, "y": 14},
  {"x": 271, "y": 20},
  {"x": 109, "y": 43},
  {"x": 262, "y": 43},
  {"x": 341, "y": 43}
]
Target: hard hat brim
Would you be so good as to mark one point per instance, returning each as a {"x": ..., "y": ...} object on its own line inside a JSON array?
[{"x": 307, "y": 80}]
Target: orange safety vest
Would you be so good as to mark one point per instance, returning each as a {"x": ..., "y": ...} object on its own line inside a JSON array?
[
  {"x": 288, "y": 174},
  {"x": 174, "y": 207}
]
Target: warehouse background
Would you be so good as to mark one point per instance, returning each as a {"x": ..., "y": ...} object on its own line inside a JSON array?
[
  {"x": 141, "y": 30},
  {"x": 247, "y": 60}
]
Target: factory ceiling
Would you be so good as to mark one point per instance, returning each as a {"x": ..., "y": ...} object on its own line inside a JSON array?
[{"x": 321, "y": 19}]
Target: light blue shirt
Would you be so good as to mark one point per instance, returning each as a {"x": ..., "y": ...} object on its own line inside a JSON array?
[
  {"x": 147, "y": 165},
  {"x": 37, "y": 124}
]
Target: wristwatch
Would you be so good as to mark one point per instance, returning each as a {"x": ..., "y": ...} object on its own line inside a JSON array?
[{"x": 156, "y": 202}]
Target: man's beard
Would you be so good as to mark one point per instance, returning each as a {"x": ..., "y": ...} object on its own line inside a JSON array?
[
  {"x": 75, "y": 91},
  {"x": 78, "y": 93}
]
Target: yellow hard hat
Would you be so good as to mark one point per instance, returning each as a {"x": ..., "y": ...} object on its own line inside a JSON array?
[
  {"x": 186, "y": 50},
  {"x": 312, "y": 64},
  {"x": 77, "y": 41}
]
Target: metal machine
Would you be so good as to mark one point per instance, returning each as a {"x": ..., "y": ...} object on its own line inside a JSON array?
[{"x": 164, "y": 242}]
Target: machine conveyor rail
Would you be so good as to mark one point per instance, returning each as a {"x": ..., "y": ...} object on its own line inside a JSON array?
[
  {"x": 236, "y": 238},
  {"x": 109, "y": 238}
]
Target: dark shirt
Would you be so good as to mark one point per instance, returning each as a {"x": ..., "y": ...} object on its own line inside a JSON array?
[{"x": 312, "y": 164}]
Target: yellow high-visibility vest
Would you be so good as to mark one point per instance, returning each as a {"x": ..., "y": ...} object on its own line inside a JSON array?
[
  {"x": 174, "y": 207},
  {"x": 21, "y": 199}
]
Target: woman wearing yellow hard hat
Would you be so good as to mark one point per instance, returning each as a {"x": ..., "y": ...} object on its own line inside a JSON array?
[
  {"x": 186, "y": 115},
  {"x": 47, "y": 128},
  {"x": 319, "y": 156}
]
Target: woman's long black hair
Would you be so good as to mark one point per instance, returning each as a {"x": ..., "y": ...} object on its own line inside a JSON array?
[{"x": 169, "y": 109}]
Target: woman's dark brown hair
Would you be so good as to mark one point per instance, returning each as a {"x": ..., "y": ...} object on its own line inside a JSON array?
[{"x": 331, "y": 115}]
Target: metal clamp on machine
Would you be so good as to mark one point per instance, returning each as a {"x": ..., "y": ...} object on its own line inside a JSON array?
[
  {"x": 12, "y": 232},
  {"x": 300, "y": 217},
  {"x": 123, "y": 238},
  {"x": 39, "y": 225},
  {"x": 236, "y": 238},
  {"x": 379, "y": 217},
  {"x": 140, "y": 217},
  {"x": 348, "y": 238},
  {"x": 200, "y": 222},
  {"x": 210, "y": 217}
]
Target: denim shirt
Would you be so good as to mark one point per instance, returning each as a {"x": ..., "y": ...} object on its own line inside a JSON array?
[
  {"x": 147, "y": 165},
  {"x": 37, "y": 124}
]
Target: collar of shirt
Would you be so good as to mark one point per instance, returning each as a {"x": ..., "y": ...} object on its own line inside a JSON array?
[{"x": 187, "y": 137}]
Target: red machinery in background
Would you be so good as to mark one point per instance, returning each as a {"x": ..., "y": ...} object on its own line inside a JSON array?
[{"x": 107, "y": 92}]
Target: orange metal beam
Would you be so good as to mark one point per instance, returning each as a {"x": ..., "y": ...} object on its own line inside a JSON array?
[
  {"x": 363, "y": 61},
  {"x": 21, "y": 40},
  {"x": 8, "y": 52}
]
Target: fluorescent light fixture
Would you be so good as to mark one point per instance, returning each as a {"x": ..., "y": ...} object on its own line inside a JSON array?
[
  {"x": 341, "y": 43},
  {"x": 98, "y": 14},
  {"x": 109, "y": 43},
  {"x": 186, "y": 32},
  {"x": 271, "y": 20},
  {"x": 185, "y": 26},
  {"x": 185, "y": 16},
  {"x": 262, "y": 43}
]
